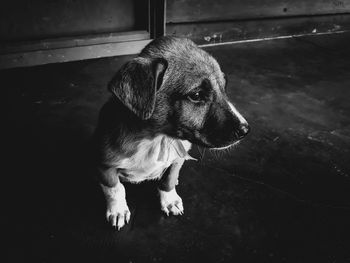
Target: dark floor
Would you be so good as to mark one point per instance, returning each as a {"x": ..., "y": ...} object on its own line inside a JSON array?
[{"x": 282, "y": 195}]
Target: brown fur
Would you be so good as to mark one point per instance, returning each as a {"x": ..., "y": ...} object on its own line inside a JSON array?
[{"x": 171, "y": 95}]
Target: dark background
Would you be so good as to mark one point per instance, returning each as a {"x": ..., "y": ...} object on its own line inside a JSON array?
[{"x": 281, "y": 195}]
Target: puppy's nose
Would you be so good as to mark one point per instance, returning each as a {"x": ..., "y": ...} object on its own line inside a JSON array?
[{"x": 243, "y": 130}]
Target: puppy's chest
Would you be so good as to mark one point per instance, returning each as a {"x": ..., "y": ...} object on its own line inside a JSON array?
[{"x": 151, "y": 158}]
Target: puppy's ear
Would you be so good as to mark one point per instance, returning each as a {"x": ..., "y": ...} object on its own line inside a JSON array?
[{"x": 136, "y": 84}]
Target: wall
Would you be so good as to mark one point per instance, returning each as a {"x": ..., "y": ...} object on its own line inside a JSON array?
[
  {"x": 50, "y": 31},
  {"x": 42, "y": 19},
  {"x": 225, "y": 20}
]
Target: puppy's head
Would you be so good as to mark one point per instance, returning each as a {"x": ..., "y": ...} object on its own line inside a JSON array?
[{"x": 179, "y": 90}]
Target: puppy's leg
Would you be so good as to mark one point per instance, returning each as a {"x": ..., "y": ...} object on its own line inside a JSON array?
[
  {"x": 117, "y": 209},
  {"x": 170, "y": 201}
]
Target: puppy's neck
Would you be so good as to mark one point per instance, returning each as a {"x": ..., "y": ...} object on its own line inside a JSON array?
[{"x": 118, "y": 117}]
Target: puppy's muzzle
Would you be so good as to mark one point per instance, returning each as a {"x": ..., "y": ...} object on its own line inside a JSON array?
[{"x": 242, "y": 130}]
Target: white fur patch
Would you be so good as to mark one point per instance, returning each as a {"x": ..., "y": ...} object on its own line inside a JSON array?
[
  {"x": 151, "y": 159},
  {"x": 117, "y": 213},
  {"x": 237, "y": 114},
  {"x": 171, "y": 202},
  {"x": 186, "y": 144}
]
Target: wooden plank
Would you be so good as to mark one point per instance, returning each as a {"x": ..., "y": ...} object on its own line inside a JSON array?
[
  {"x": 42, "y": 19},
  {"x": 180, "y": 11},
  {"x": 70, "y": 54},
  {"x": 73, "y": 42},
  {"x": 207, "y": 33},
  {"x": 56, "y": 50}
]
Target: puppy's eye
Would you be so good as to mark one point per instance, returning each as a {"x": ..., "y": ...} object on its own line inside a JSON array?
[{"x": 196, "y": 97}]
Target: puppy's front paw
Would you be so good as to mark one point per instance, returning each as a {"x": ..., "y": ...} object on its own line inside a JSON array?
[
  {"x": 118, "y": 213},
  {"x": 171, "y": 202}
]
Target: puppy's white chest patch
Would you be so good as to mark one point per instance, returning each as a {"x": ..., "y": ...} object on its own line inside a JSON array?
[{"x": 152, "y": 157}]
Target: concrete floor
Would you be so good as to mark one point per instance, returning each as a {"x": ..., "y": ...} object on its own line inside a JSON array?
[{"x": 282, "y": 195}]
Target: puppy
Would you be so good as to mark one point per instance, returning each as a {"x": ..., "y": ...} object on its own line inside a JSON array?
[{"x": 170, "y": 96}]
